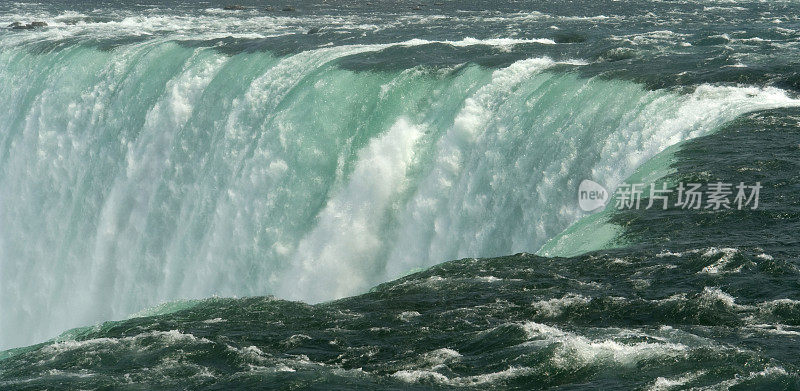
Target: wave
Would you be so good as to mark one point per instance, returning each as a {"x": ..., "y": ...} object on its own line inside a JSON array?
[{"x": 628, "y": 318}]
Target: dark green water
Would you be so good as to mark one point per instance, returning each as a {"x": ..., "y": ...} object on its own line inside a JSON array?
[{"x": 175, "y": 156}]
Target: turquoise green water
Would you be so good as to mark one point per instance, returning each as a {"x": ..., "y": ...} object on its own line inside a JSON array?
[
  {"x": 165, "y": 167},
  {"x": 157, "y": 172}
]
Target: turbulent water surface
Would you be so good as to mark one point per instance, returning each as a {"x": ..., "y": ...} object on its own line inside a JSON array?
[{"x": 175, "y": 155}]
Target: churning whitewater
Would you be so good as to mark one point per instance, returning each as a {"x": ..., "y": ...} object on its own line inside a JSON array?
[
  {"x": 171, "y": 174},
  {"x": 159, "y": 170},
  {"x": 154, "y": 172},
  {"x": 174, "y": 174}
]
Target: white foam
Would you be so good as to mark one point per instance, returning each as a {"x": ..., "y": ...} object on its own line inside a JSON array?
[
  {"x": 136, "y": 342},
  {"x": 428, "y": 209},
  {"x": 552, "y": 308},
  {"x": 484, "y": 42},
  {"x": 768, "y": 372},
  {"x": 713, "y": 295},
  {"x": 571, "y": 352},
  {"x": 719, "y": 266},
  {"x": 576, "y": 351},
  {"x": 405, "y": 316},
  {"x": 665, "y": 384},
  {"x": 331, "y": 261},
  {"x": 415, "y": 376},
  {"x": 765, "y": 257},
  {"x": 132, "y": 195}
]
